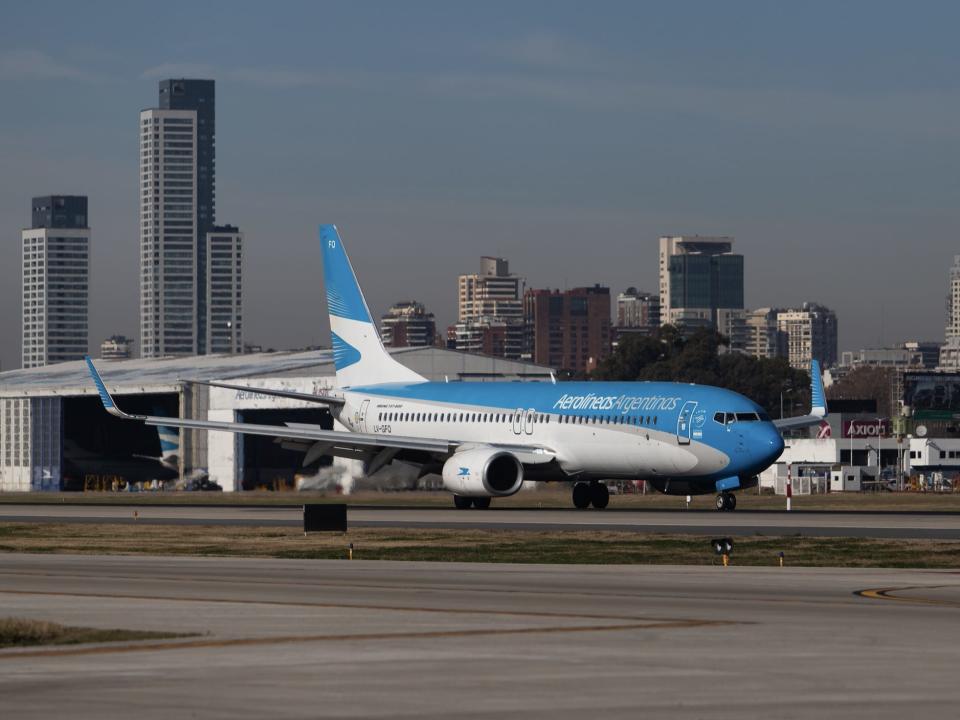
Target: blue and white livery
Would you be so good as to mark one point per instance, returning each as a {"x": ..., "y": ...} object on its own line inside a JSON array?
[{"x": 485, "y": 439}]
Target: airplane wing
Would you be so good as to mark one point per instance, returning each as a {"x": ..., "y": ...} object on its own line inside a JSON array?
[
  {"x": 818, "y": 404},
  {"x": 308, "y": 397},
  {"x": 323, "y": 442}
]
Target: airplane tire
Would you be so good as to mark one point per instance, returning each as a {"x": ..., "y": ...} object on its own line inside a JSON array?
[
  {"x": 462, "y": 503},
  {"x": 481, "y": 503},
  {"x": 731, "y": 502},
  {"x": 581, "y": 495},
  {"x": 722, "y": 501},
  {"x": 599, "y": 495}
]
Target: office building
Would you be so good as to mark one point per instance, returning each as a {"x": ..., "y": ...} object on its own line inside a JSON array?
[
  {"x": 569, "y": 330},
  {"x": 116, "y": 347},
  {"x": 929, "y": 351},
  {"x": 699, "y": 276},
  {"x": 224, "y": 301},
  {"x": 811, "y": 332},
  {"x": 177, "y": 215},
  {"x": 408, "y": 324},
  {"x": 55, "y": 281}
]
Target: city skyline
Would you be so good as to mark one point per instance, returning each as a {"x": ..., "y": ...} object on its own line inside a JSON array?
[{"x": 561, "y": 140}]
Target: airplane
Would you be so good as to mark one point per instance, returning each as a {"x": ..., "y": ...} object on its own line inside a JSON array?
[
  {"x": 485, "y": 439},
  {"x": 135, "y": 469}
]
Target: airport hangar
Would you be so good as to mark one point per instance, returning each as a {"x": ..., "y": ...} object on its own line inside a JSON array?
[{"x": 49, "y": 413}]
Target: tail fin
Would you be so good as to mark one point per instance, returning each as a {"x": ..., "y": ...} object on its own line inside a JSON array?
[
  {"x": 818, "y": 398},
  {"x": 358, "y": 354},
  {"x": 169, "y": 443}
]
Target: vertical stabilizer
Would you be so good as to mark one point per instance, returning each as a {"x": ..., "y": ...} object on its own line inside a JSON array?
[{"x": 358, "y": 354}]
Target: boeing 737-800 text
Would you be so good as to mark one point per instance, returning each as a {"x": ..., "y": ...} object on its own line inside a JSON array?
[{"x": 485, "y": 439}]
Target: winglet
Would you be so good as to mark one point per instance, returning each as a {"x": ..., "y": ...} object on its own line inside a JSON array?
[
  {"x": 818, "y": 398},
  {"x": 108, "y": 404}
]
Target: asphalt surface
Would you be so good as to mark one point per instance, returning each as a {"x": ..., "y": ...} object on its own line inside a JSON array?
[
  {"x": 945, "y": 526},
  {"x": 297, "y": 639}
]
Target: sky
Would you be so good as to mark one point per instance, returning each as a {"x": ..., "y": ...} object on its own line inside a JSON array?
[{"x": 564, "y": 136}]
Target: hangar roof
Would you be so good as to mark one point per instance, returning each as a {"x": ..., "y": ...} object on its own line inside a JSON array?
[{"x": 167, "y": 374}]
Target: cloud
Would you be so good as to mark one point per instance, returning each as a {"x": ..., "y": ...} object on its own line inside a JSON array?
[{"x": 36, "y": 65}]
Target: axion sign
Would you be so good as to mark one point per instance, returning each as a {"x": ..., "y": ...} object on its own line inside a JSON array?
[{"x": 866, "y": 428}]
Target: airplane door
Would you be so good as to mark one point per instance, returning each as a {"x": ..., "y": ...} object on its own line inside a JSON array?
[
  {"x": 528, "y": 422},
  {"x": 362, "y": 416},
  {"x": 683, "y": 422},
  {"x": 518, "y": 421}
]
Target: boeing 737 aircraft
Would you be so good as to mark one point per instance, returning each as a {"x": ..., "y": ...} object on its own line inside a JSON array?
[{"x": 485, "y": 439}]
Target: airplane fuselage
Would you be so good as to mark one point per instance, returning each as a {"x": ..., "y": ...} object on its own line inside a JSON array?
[{"x": 683, "y": 438}]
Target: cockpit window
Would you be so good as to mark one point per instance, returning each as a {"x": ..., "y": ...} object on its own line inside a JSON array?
[
  {"x": 747, "y": 417},
  {"x": 718, "y": 417}
]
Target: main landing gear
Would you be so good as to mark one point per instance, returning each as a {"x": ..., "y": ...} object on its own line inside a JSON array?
[
  {"x": 462, "y": 502},
  {"x": 592, "y": 493},
  {"x": 726, "y": 501}
]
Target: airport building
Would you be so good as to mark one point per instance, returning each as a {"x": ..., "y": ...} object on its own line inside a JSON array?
[
  {"x": 54, "y": 433},
  {"x": 55, "y": 281}
]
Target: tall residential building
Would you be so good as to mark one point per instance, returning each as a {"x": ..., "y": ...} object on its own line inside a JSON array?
[
  {"x": 811, "y": 334},
  {"x": 638, "y": 309},
  {"x": 116, "y": 347},
  {"x": 762, "y": 336},
  {"x": 408, "y": 324},
  {"x": 490, "y": 311},
  {"x": 500, "y": 338},
  {"x": 699, "y": 277},
  {"x": 55, "y": 281},
  {"x": 224, "y": 301},
  {"x": 569, "y": 330},
  {"x": 494, "y": 292},
  {"x": 177, "y": 213}
]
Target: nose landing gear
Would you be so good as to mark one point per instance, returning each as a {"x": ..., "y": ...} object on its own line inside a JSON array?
[
  {"x": 592, "y": 493},
  {"x": 726, "y": 501}
]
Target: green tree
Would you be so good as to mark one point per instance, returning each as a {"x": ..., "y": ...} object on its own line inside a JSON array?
[{"x": 696, "y": 358}]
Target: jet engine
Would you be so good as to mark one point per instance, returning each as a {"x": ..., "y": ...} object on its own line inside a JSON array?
[{"x": 483, "y": 472}]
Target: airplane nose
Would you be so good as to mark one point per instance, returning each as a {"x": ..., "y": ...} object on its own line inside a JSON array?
[{"x": 773, "y": 447}]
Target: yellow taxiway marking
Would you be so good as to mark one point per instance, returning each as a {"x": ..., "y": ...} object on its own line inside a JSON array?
[{"x": 888, "y": 594}]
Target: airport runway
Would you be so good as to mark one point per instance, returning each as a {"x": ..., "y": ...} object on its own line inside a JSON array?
[
  {"x": 297, "y": 639},
  {"x": 944, "y": 526}
]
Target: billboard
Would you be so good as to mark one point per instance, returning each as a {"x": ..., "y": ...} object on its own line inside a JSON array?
[
  {"x": 866, "y": 428},
  {"x": 932, "y": 396}
]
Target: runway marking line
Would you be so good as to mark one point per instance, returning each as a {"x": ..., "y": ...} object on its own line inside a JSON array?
[
  {"x": 359, "y": 637},
  {"x": 887, "y": 594},
  {"x": 361, "y": 606}
]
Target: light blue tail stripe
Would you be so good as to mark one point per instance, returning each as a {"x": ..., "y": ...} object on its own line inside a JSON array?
[
  {"x": 817, "y": 396},
  {"x": 344, "y": 298},
  {"x": 101, "y": 388},
  {"x": 344, "y": 354}
]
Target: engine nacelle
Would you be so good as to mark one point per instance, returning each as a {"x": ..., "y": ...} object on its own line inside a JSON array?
[{"x": 483, "y": 472}]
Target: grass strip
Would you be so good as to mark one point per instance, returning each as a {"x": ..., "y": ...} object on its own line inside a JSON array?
[
  {"x": 475, "y": 545},
  {"x": 554, "y": 496},
  {"x": 23, "y": 632}
]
